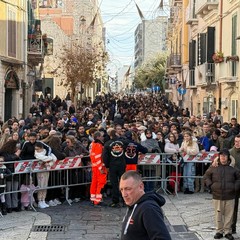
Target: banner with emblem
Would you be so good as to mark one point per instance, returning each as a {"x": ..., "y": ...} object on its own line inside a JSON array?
[
  {"x": 149, "y": 159},
  {"x": 39, "y": 166}
]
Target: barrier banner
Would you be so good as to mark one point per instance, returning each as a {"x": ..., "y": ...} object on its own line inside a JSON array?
[
  {"x": 37, "y": 166},
  {"x": 204, "y": 157},
  {"x": 153, "y": 158}
]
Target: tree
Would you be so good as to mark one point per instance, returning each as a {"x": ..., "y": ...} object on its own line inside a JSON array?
[
  {"x": 80, "y": 65},
  {"x": 152, "y": 72}
]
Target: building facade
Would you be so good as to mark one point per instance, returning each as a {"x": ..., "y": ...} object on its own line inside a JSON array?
[
  {"x": 13, "y": 58},
  {"x": 208, "y": 69},
  {"x": 66, "y": 22},
  {"x": 150, "y": 39}
]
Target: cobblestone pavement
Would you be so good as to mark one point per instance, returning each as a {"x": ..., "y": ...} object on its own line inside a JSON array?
[{"x": 188, "y": 217}]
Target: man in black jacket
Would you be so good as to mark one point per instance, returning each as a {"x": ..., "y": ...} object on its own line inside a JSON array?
[
  {"x": 114, "y": 160},
  {"x": 144, "y": 219}
]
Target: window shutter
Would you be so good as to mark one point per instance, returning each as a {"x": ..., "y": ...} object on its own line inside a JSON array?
[
  {"x": 210, "y": 43},
  {"x": 12, "y": 35},
  {"x": 192, "y": 54},
  {"x": 202, "y": 48},
  {"x": 234, "y": 34}
]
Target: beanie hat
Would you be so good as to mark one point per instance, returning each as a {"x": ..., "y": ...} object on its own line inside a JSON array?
[{"x": 225, "y": 128}]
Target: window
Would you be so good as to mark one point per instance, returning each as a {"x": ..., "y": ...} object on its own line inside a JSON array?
[
  {"x": 234, "y": 106},
  {"x": 12, "y": 33}
]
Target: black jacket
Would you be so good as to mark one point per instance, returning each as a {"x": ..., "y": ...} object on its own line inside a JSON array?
[
  {"x": 144, "y": 220},
  {"x": 6, "y": 173},
  {"x": 28, "y": 150},
  {"x": 132, "y": 152},
  {"x": 113, "y": 152}
]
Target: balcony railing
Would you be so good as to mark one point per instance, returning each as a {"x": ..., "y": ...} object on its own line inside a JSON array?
[
  {"x": 191, "y": 17},
  {"x": 206, "y": 74},
  {"x": 175, "y": 60},
  {"x": 37, "y": 48},
  {"x": 203, "y": 7}
]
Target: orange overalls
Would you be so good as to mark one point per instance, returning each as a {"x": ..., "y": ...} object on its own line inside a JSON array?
[{"x": 99, "y": 173}]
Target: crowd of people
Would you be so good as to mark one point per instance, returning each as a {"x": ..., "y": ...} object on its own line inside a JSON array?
[{"x": 111, "y": 132}]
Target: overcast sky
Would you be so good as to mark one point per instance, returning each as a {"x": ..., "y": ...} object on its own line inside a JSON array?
[{"x": 120, "y": 17}]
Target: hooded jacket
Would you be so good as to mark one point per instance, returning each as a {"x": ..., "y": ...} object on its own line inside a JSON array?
[
  {"x": 144, "y": 220},
  {"x": 223, "y": 180}
]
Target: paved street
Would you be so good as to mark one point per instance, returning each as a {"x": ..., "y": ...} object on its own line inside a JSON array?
[{"x": 189, "y": 217}]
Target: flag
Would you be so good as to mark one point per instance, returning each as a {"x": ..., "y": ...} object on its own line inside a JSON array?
[
  {"x": 139, "y": 12},
  {"x": 93, "y": 21},
  {"x": 161, "y": 4},
  {"x": 128, "y": 72}
]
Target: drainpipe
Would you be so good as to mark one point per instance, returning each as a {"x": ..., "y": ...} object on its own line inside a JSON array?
[
  {"x": 220, "y": 49},
  {"x": 220, "y": 25}
]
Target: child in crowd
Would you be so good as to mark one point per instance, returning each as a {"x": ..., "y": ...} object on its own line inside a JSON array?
[
  {"x": 26, "y": 193},
  {"x": 224, "y": 182},
  {"x": 4, "y": 172},
  {"x": 177, "y": 162},
  {"x": 42, "y": 177}
]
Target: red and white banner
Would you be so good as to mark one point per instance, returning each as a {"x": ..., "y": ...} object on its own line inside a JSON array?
[
  {"x": 203, "y": 157},
  {"x": 36, "y": 166},
  {"x": 149, "y": 159},
  {"x": 157, "y": 158}
]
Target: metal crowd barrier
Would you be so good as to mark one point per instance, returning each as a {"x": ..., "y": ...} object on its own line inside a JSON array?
[
  {"x": 156, "y": 168},
  {"x": 76, "y": 171},
  {"x": 64, "y": 174}
]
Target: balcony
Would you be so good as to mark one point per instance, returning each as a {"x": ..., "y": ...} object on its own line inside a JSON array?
[
  {"x": 175, "y": 61},
  {"x": 36, "y": 49},
  {"x": 205, "y": 74},
  {"x": 191, "y": 17},
  {"x": 203, "y": 7}
]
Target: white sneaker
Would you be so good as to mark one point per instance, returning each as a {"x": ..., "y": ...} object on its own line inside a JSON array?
[
  {"x": 41, "y": 204},
  {"x": 51, "y": 203},
  {"x": 56, "y": 201},
  {"x": 76, "y": 200},
  {"x": 46, "y": 205}
]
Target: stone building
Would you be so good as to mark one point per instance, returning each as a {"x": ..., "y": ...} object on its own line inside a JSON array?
[
  {"x": 204, "y": 34},
  {"x": 66, "y": 23}
]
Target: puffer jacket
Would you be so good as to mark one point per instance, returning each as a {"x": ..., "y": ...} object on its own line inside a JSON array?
[
  {"x": 223, "y": 180},
  {"x": 190, "y": 150}
]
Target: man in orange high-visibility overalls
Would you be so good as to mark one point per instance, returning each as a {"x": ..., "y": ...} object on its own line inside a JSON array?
[{"x": 99, "y": 173}]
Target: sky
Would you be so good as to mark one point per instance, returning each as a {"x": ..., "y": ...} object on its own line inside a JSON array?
[{"x": 121, "y": 18}]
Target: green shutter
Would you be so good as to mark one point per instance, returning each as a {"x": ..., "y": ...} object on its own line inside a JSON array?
[{"x": 234, "y": 34}]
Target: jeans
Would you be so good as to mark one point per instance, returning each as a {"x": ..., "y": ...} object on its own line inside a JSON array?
[
  {"x": 188, "y": 171},
  {"x": 12, "y": 198}
]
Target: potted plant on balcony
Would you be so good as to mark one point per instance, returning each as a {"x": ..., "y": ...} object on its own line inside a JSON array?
[
  {"x": 218, "y": 57},
  {"x": 233, "y": 58}
]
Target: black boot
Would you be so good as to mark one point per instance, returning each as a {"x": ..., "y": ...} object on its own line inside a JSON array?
[{"x": 4, "y": 208}]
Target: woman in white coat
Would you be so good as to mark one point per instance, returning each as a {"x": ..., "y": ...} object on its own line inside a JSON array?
[{"x": 190, "y": 147}]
